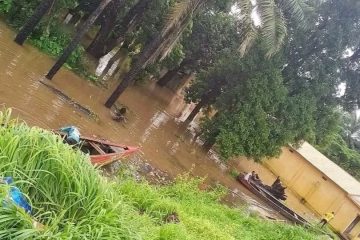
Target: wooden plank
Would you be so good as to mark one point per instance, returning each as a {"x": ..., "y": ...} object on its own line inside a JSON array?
[{"x": 94, "y": 145}]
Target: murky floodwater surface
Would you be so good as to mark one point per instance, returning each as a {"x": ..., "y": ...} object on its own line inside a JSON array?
[{"x": 153, "y": 115}]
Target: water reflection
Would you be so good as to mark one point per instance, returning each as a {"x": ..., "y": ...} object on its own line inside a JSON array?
[{"x": 156, "y": 121}]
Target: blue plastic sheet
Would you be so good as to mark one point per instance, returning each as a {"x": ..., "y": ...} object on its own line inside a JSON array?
[{"x": 16, "y": 195}]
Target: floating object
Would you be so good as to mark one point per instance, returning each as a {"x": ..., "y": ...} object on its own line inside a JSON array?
[{"x": 102, "y": 152}]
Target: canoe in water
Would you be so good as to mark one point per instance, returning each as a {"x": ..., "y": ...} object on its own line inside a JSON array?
[
  {"x": 276, "y": 204},
  {"x": 103, "y": 152}
]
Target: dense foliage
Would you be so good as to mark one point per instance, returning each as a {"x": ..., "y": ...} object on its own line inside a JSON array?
[{"x": 74, "y": 202}]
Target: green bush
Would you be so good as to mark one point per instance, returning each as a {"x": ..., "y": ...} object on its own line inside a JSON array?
[{"x": 5, "y": 6}]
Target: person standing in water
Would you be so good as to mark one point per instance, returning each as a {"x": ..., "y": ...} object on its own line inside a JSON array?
[{"x": 326, "y": 218}]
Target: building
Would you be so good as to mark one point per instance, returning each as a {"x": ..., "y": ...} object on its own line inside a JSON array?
[{"x": 321, "y": 185}]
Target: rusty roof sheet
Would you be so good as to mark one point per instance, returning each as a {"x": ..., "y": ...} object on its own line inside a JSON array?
[{"x": 343, "y": 179}]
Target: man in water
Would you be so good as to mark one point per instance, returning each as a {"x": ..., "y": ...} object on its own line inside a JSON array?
[
  {"x": 326, "y": 218},
  {"x": 119, "y": 115},
  {"x": 72, "y": 134},
  {"x": 276, "y": 182}
]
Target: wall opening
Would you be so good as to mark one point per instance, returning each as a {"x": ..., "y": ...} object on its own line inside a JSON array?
[{"x": 352, "y": 225}]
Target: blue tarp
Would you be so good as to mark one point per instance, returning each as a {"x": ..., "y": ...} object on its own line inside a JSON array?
[{"x": 16, "y": 195}]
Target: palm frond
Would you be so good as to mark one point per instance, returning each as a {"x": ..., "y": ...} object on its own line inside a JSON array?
[
  {"x": 297, "y": 9},
  {"x": 273, "y": 27},
  {"x": 181, "y": 9},
  {"x": 250, "y": 33},
  {"x": 246, "y": 8}
]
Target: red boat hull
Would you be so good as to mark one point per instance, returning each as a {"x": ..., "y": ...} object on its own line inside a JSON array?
[{"x": 104, "y": 152}]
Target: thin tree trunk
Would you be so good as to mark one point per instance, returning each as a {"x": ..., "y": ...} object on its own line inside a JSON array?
[
  {"x": 29, "y": 26},
  {"x": 96, "y": 48},
  {"x": 135, "y": 70},
  {"x": 195, "y": 111},
  {"x": 168, "y": 77},
  {"x": 114, "y": 58},
  {"x": 108, "y": 22},
  {"x": 152, "y": 52},
  {"x": 172, "y": 73},
  {"x": 127, "y": 81},
  {"x": 128, "y": 24},
  {"x": 75, "y": 41},
  {"x": 209, "y": 143}
]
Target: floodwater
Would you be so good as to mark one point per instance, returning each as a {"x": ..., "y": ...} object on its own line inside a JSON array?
[{"x": 153, "y": 118}]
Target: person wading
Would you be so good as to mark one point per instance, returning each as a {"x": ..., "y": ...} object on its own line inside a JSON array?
[{"x": 326, "y": 218}]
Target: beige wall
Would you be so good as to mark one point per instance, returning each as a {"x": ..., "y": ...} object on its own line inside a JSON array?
[{"x": 313, "y": 187}]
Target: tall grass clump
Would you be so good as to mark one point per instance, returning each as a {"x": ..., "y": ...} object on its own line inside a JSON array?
[{"x": 66, "y": 192}]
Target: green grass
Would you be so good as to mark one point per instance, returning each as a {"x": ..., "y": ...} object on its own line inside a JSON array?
[{"x": 73, "y": 201}]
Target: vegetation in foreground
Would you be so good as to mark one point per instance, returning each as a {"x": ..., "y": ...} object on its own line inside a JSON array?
[{"x": 74, "y": 202}]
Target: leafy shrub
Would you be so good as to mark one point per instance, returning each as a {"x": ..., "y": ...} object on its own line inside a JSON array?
[{"x": 5, "y": 6}]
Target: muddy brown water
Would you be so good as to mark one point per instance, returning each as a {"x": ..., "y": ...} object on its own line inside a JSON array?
[{"x": 153, "y": 119}]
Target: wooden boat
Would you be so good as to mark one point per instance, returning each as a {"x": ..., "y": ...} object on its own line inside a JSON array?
[
  {"x": 102, "y": 152},
  {"x": 277, "y": 205}
]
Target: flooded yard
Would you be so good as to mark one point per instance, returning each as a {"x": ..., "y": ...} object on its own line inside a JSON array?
[{"x": 153, "y": 122}]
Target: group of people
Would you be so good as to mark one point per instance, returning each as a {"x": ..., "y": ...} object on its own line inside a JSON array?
[
  {"x": 253, "y": 176},
  {"x": 278, "y": 190}
]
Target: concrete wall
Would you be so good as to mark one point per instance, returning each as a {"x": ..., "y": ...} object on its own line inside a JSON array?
[{"x": 315, "y": 189}]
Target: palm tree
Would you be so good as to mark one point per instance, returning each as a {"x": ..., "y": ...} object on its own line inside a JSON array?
[{"x": 272, "y": 29}]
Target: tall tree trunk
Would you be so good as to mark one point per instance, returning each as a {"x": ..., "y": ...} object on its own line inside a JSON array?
[
  {"x": 152, "y": 51},
  {"x": 96, "y": 48},
  {"x": 209, "y": 143},
  {"x": 141, "y": 63},
  {"x": 108, "y": 22},
  {"x": 31, "y": 23},
  {"x": 114, "y": 58},
  {"x": 75, "y": 41},
  {"x": 196, "y": 110},
  {"x": 128, "y": 24},
  {"x": 128, "y": 79},
  {"x": 172, "y": 73},
  {"x": 168, "y": 77}
]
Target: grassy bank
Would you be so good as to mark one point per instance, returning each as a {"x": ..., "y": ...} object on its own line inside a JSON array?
[{"x": 74, "y": 202}]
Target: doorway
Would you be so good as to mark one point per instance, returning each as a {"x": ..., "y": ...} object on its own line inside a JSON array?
[{"x": 349, "y": 230}]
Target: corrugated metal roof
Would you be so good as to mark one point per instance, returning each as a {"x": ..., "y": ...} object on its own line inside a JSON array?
[{"x": 343, "y": 179}]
